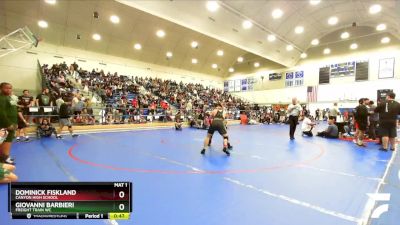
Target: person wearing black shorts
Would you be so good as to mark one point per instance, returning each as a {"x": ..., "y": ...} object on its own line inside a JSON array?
[
  {"x": 21, "y": 129},
  {"x": 219, "y": 126},
  {"x": 25, "y": 101},
  {"x": 361, "y": 119},
  {"x": 388, "y": 111}
]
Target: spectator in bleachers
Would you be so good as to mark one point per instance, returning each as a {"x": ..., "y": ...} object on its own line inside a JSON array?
[{"x": 44, "y": 100}]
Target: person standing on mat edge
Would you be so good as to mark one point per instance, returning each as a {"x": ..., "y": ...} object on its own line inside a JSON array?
[
  {"x": 65, "y": 120},
  {"x": 373, "y": 120},
  {"x": 217, "y": 125},
  {"x": 294, "y": 111},
  {"x": 44, "y": 100},
  {"x": 361, "y": 119},
  {"x": 388, "y": 111},
  {"x": 333, "y": 112},
  {"x": 8, "y": 121}
]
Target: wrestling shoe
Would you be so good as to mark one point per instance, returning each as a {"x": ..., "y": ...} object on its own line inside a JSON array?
[
  {"x": 75, "y": 135},
  {"x": 226, "y": 152},
  {"x": 59, "y": 137},
  {"x": 10, "y": 161},
  {"x": 203, "y": 152},
  {"x": 230, "y": 147},
  {"x": 383, "y": 149}
]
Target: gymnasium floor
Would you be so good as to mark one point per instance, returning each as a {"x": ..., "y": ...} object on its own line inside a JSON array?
[{"x": 268, "y": 179}]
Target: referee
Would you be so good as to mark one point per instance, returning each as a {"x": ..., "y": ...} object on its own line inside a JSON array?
[
  {"x": 388, "y": 111},
  {"x": 294, "y": 110}
]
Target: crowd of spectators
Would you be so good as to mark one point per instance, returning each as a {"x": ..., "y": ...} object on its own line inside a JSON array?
[{"x": 131, "y": 99}]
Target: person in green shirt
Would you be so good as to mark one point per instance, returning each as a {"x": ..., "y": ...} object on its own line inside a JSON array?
[
  {"x": 8, "y": 121},
  {"x": 7, "y": 173}
]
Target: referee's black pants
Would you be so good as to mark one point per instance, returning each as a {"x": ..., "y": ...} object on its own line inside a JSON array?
[{"x": 293, "y": 123}]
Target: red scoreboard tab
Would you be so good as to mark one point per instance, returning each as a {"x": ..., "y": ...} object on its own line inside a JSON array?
[{"x": 68, "y": 200}]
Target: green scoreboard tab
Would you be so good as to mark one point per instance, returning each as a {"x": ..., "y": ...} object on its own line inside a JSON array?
[{"x": 70, "y": 200}]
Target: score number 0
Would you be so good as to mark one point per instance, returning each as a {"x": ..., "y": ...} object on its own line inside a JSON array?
[{"x": 121, "y": 206}]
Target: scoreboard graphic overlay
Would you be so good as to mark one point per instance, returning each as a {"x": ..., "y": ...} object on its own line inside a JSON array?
[{"x": 70, "y": 200}]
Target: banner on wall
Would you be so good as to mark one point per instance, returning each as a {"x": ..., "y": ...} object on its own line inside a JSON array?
[
  {"x": 294, "y": 79},
  {"x": 386, "y": 68},
  {"x": 299, "y": 78},
  {"x": 289, "y": 79},
  {"x": 250, "y": 83},
  {"x": 226, "y": 86},
  {"x": 275, "y": 76},
  {"x": 231, "y": 86},
  {"x": 238, "y": 85},
  {"x": 244, "y": 85}
]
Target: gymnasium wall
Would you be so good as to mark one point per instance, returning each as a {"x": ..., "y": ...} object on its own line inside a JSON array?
[
  {"x": 340, "y": 89},
  {"x": 20, "y": 68}
]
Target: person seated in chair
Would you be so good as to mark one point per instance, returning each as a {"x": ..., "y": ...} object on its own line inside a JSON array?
[
  {"x": 307, "y": 125},
  {"x": 331, "y": 131}
]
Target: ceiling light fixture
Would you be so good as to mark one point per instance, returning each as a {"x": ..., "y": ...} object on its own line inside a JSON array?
[
  {"x": 385, "y": 40},
  {"x": 114, "y": 19},
  {"x": 194, "y": 44},
  {"x": 354, "y": 46},
  {"x": 220, "y": 53},
  {"x": 43, "y": 24},
  {"x": 137, "y": 46},
  {"x": 194, "y": 61},
  {"x": 289, "y": 47},
  {"x": 214, "y": 66},
  {"x": 240, "y": 59},
  {"x": 247, "y": 24},
  {"x": 345, "y": 35},
  {"x": 212, "y": 6},
  {"x": 327, "y": 51},
  {"x": 169, "y": 54},
  {"x": 231, "y": 70},
  {"x": 315, "y": 2},
  {"x": 256, "y": 64},
  {"x": 315, "y": 42},
  {"x": 96, "y": 37},
  {"x": 303, "y": 55},
  {"x": 381, "y": 27},
  {"x": 271, "y": 38},
  {"x": 374, "y": 9},
  {"x": 51, "y": 2},
  {"x": 160, "y": 33},
  {"x": 277, "y": 13},
  {"x": 333, "y": 20},
  {"x": 299, "y": 29}
]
